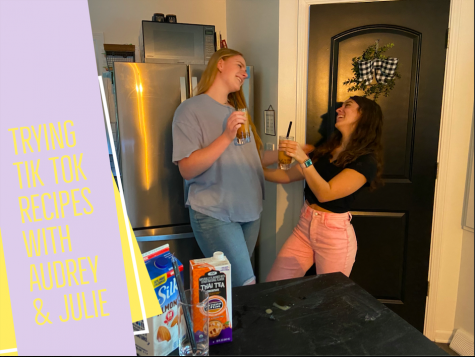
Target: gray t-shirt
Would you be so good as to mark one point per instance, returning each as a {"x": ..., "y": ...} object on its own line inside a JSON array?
[{"x": 232, "y": 189}]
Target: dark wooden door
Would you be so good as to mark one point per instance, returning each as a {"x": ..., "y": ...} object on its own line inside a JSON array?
[{"x": 393, "y": 224}]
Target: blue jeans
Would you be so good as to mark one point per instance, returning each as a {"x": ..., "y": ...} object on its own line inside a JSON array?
[{"x": 235, "y": 240}]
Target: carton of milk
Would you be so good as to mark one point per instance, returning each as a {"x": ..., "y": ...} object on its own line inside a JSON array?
[
  {"x": 163, "y": 336},
  {"x": 214, "y": 276}
]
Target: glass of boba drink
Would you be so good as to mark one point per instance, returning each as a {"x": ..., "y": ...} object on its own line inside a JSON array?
[
  {"x": 284, "y": 159},
  {"x": 243, "y": 135}
]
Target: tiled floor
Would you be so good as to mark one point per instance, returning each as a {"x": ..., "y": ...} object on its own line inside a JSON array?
[{"x": 446, "y": 348}]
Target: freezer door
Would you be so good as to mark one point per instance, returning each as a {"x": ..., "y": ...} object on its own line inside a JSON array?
[
  {"x": 147, "y": 97},
  {"x": 195, "y": 71}
]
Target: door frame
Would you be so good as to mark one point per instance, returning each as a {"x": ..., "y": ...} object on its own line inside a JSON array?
[{"x": 447, "y": 113}]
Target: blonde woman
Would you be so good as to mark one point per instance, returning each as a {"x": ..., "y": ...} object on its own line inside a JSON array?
[{"x": 224, "y": 181}]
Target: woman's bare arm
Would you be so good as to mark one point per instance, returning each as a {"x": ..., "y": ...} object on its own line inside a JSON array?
[
  {"x": 344, "y": 184},
  {"x": 270, "y": 157},
  {"x": 201, "y": 160},
  {"x": 284, "y": 176}
]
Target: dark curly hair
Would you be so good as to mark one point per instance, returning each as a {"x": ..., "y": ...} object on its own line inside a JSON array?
[{"x": 366, "y": 139}]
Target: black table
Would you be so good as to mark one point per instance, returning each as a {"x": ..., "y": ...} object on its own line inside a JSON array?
[{"x": 329, "y": 315}]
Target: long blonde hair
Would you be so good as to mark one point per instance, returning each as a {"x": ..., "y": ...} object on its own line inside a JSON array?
[{"x": 236, "y": 98}]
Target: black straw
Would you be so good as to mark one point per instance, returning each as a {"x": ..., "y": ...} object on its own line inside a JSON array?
[
  {"x": 181, "y": 292},
  {"x": 288, "y": 131}
]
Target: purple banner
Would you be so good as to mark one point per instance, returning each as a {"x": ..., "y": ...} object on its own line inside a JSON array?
[{"x": 57, "y": 209}]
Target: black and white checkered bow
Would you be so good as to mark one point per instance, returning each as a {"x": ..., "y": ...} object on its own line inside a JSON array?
[{"x": 384, "y": 70}]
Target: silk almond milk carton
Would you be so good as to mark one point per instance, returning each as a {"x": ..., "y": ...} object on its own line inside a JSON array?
[
  {"x": 214, "y": 276},
  {"x": 163, "y": 336}
]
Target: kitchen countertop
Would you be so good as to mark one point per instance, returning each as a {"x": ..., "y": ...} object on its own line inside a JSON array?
[{"x": 329, "y": 315}]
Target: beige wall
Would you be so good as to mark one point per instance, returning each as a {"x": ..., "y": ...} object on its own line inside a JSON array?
[
  {"x": 120, "y": 20},
  {"x": 448, "y": 239},
  {"x": 464, "y": 312},
  {"x": 253, "y": 29}
]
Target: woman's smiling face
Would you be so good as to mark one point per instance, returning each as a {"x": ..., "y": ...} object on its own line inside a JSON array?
[
  {"x": 233, "y": 72},
  {"x": 347, "y": 115}
]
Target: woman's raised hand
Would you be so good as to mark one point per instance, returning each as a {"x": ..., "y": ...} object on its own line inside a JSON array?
[
  {"x": 307, "y": 148},
  {"x": 293, "y": 149},
  {"x": 234, "y": 123}
]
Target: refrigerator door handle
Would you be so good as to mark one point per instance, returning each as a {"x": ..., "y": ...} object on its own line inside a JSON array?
[
  {"x": 183, "y": 88},
  {"x": 194, "y": 84}
]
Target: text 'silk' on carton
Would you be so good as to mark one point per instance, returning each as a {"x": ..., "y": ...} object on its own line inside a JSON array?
[{"x": 163, "y": 336}]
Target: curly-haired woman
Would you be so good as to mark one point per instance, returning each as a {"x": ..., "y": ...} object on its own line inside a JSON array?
[{"x": 337, "y": 171}]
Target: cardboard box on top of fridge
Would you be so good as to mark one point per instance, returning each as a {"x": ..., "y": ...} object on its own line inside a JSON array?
[{"x": 163, "y": 329}]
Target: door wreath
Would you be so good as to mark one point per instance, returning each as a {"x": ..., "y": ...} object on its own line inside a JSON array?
[{"x": 374, "y": 61}]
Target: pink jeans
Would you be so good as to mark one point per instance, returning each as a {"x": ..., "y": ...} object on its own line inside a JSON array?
[{"x": 326, "y": 239}]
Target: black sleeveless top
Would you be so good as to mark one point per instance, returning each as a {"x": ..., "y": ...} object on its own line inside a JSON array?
[{"x": 365, "y": 165}]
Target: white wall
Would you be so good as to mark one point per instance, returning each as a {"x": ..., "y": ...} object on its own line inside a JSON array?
[
  {"x": 447, "y": 265},
  {"x": 253, "y": 29},
  {"x": 120, "y": 20}
]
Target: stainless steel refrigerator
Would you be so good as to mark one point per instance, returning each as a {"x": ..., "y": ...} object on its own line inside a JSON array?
[{"x": 147, "y": 96}]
